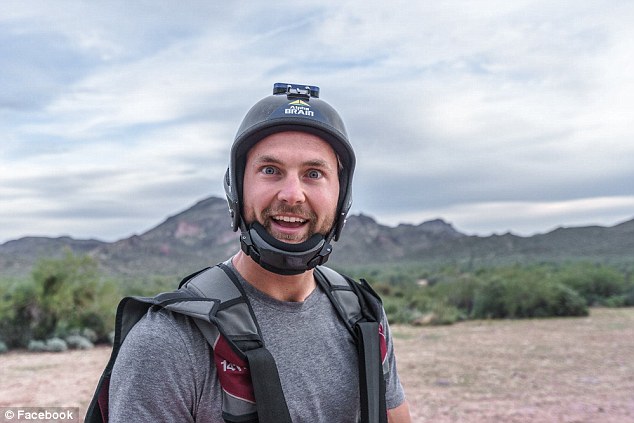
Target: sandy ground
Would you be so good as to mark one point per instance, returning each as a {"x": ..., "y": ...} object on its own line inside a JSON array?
[{"x": 543, "y": 370}]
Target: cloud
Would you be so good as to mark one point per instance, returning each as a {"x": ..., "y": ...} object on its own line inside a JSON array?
[{"x": 460, "y": 110}]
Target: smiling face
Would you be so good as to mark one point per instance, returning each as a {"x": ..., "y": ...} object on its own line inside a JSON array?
[{"x": 291, "y": 186}]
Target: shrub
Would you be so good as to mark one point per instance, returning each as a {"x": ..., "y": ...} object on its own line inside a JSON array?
[
  {"x": 439, "y": 314},
  {"x": 37, "y": 345},
  {"x": 51, "y": 345},
  {"x": 433, "y": 309},
  {"x": 90, "y": 334},
  {"x": 488, "y": 301},
  {"x": 566, "y": 302},
  {"x": 56, "y": 345},
  {"x": 398, "y": 310},
  {"x": 78, "y": 342},
  {"x": 595, "y": 283},
  {"x": 629, "y": 298},
  {"x": 458, "y": 293},
  {"x": 19, "y": 309},
  {"x": 524, "y": 297},
  {"x": 61, "y": 295}
]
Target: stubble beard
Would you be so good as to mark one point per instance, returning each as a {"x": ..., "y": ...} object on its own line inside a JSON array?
[{"x": 299, "y": 211}]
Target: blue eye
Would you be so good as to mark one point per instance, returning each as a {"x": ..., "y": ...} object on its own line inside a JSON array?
[
  {"x": 314, "y": 174},
  {"x": 269, "y": 170}
]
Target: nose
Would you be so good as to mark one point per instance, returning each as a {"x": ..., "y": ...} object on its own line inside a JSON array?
[{"x": 291, "y": 191}]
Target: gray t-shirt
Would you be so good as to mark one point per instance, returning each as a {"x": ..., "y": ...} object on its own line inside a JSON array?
[{"x": 165, "y": 369}]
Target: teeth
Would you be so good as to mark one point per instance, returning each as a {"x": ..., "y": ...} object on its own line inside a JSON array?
[{"x": 289, "y": 219}]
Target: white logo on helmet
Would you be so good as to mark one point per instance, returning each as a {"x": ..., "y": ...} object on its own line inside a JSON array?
[{"x": 299, "y": 107}]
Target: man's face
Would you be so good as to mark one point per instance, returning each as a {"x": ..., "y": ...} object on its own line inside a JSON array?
[{"x": 291, "y": 185}]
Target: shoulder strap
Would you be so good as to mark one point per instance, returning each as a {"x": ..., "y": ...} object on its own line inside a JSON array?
[
  {"x": 129, "y": 312},
  {"x": 371, "y": 380},
  {"x": 213, "y": 297},
  {"x": 360, "y": 309},
  {"x": 252, "y": 390}
]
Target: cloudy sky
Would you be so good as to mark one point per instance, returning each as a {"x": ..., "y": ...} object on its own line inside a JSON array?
[{"x": 493, "y": 115}]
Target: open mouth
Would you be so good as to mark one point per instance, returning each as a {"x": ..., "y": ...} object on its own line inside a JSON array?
[
  {"x": 290, "y": 224},
  {"x": 289, "y": 221}
]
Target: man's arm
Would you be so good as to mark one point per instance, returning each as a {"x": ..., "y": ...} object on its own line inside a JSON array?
[
  {"x": 399, "y": 414},
  {"x": 150, "y": 377}
]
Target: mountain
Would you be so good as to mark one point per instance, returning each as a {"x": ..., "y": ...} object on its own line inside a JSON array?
[
  {"x": 197, "y": 237},
  {"x": 201, "y": 236},
  {"x": 17, "y": 257}
]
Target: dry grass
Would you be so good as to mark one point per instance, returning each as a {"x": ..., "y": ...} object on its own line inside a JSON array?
[{"x": 543, "y": 370}]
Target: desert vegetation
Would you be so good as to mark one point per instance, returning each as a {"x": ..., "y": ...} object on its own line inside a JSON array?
[
  {"x": 443, "y": 295},
  {"x": 69, "y": 303},
  {"x": 65, "y": 303}
]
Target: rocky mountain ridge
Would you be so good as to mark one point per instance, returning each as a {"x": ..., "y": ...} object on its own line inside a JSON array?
[{"x": 201, "y": 236}]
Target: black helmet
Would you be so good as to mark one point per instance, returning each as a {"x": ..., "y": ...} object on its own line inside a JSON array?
[{"x": 290, "y": 108}]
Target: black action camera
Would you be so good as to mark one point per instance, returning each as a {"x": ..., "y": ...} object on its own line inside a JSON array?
[{"x": 296, "y": 90}]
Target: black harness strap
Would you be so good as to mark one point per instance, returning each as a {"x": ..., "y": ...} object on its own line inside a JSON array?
[
  {"x": 359, "y": 308},
  {"x": 372, "y": 383},
  {"x": 267, "y": 387}
]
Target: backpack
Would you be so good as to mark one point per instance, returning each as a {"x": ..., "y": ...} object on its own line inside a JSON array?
[{"x": 251, "y": 388}]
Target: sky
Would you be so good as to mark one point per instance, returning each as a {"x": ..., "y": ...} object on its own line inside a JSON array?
[{"x": 495, "y": 116}]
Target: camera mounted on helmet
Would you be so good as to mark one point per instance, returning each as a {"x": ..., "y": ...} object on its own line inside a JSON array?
[
  {"x": 292, "y": 107},
  {"x": 296, "y": 90}
]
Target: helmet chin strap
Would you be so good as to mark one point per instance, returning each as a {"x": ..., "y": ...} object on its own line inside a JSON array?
[{"x": 281, "y": 257}]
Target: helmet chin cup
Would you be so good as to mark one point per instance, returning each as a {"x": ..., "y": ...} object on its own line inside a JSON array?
[{"x": 281, "y": 257}]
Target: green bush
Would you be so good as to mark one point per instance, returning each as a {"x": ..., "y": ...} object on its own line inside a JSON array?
[
  {"x": 595, "y": 283},
  {"x": 417, "y": 306},
  {"x": 525, "y": 297},
  {"x": 51, "y": 345},
  {"x": 628, "y": 298},
  {"x": 36, "y": 345},
  {"x": 398, "y": 310},
  {"x": 17, "y": 308},
  {"x": 78, "y": 342},
  {"x": 458, "y": 292},
  {"x": 63, "y": 295},
  {"x": 502, "y": 292},
  {"x": 56, "y": 345},
  {"x": 489, "y": 301}
]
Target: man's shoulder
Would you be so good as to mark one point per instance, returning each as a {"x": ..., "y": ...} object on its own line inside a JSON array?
[{"x": 160, "y": 327}]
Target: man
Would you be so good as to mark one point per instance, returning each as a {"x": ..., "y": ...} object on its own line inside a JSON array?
[{"x": 289, "y": 190}]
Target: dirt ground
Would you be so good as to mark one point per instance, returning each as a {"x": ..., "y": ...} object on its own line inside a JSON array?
[{"x": 543, "y": 370}]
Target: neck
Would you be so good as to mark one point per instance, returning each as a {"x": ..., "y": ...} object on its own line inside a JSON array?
[{"x": 295, "y": 288}]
